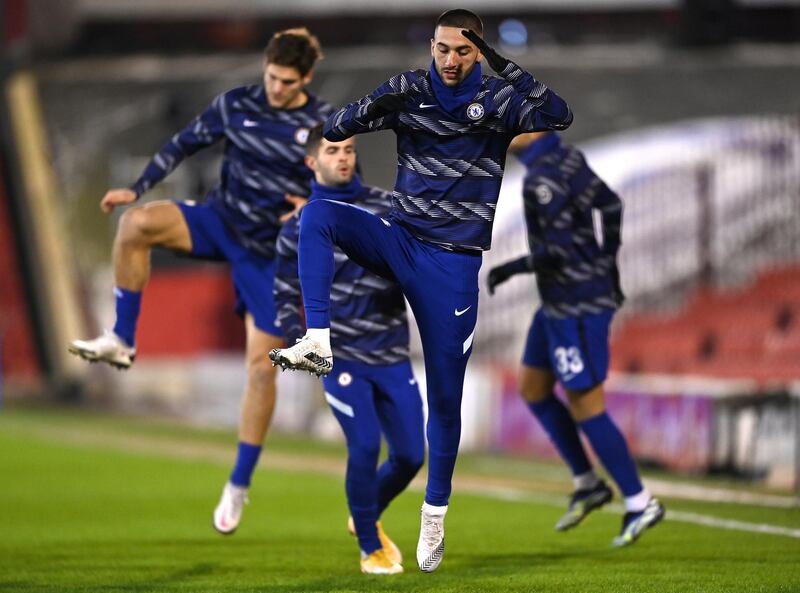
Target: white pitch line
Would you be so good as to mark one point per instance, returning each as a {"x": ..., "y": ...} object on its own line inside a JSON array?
[
  {"x": 511, "y": 495},
  {"x": 711, "y": 494},
  {"x": 733, "y": 524},
  {"x": 289, "y": 463}
]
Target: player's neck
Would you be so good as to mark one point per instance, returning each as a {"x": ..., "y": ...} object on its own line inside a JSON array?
[
  {"x": 299, "y": 101},
  {"x": 347, "y": 191}
]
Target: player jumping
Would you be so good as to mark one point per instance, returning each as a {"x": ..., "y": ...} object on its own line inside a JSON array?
[
  {"x": 578, "y": 280},
  {"x": 264, "y": 128},
  {"x": 453, "y": 128}
]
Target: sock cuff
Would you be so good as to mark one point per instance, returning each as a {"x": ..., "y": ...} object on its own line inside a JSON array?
[
  {"x": 638, "y": 502},
  {"x": 249, "y": 447},
  {"x": 585, "y": 481},
  {"x": 124, "y": 292},
  {"x": 590, "y": 422},
  {"x": 434, "y": 510},
  {"x": 321, "y": 335},
  {"x": 541, "y": 406}
]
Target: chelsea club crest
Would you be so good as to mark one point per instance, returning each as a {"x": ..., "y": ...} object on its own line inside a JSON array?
[
  {"x": 475, "y": 111},
  {"x": 544, "y": 195},
  {"x": 301, "y": 136}
]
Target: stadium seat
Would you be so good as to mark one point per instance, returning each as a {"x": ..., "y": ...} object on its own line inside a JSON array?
[{"x": 752, "y": 332}]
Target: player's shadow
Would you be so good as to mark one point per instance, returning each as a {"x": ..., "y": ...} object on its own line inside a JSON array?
[
  {"x": 503, "y": 562},
  {"x": 167, "y": 580}
]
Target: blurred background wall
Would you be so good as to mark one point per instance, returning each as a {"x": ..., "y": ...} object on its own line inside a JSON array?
[{"x": 689, "y": 109}]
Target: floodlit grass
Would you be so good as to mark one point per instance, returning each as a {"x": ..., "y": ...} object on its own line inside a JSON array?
[{"x": 134, "y": 515}]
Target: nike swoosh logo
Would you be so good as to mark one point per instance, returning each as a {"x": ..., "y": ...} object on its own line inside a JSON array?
[
  {"x": 460, "y": 313},
  {"x": 426, "y": 106},
  {"x": 249, "y": 123}
]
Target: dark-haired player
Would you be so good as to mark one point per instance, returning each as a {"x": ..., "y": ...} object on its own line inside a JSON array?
[
  {"x": 372, "y": 390},
  {"x": 453, "y": 127},
  {"x": 575, "y": 261},
  {"x": 264, "y": 128}
]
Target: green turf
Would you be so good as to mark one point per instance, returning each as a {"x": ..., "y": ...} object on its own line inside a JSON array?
[{"x": 78, "y": 516}]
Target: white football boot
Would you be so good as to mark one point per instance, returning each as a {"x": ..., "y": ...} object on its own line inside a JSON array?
[
  {"x": 108, "y": 348},
  {"x": 430, "y": 547},
  {"x": 634, "y": 524},
  {"x": 229, "y": 510},
  {"x": 306, "y": 355}
]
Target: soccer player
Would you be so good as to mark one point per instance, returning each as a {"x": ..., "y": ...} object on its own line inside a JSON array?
[
  {"x": 371, "y": 389},
  {"x": 453, "y": 127},
  {"x": 578, "y": 281},
  {"x": 263, "y": 175}
]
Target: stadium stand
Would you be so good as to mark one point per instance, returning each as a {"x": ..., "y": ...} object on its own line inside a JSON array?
[{"x": 753, "y": 332}]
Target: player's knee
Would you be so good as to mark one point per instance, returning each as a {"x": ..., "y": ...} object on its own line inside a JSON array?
[
  {"x": 363, "y": 454},
  {"x": 315, "y": 215},
  {"x": 444, "y": 423},
  {"x": 443, "y": 402},
  {"x": 134, "y": 225},
  {"x": 535, "y": 384},
  {"x": 261, "y": 374},
  {"x": 586, "y": 403},
  {"x": 409, "y": 462}
]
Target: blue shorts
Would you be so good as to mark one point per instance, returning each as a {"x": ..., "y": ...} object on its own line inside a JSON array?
[
  {"x": 253, "y": 274},
  {"x": 575, "y": 349}
]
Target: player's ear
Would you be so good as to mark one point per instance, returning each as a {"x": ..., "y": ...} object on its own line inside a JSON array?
[
  {"x": 310, "y": 162},
  {"x": 433, "y": 43}
]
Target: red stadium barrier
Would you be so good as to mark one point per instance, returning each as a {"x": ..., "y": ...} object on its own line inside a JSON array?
[
  {"x": 189, "y": 311},
  {"x": 19, "y": 356}
]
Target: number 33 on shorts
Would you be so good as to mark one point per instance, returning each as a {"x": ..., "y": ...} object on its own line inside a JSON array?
[{"x": 568, "y": 362}]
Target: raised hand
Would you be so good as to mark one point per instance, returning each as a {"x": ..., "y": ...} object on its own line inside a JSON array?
[
  {"x": 494, "y": 59},
  {"x": 117, "y": 197}
]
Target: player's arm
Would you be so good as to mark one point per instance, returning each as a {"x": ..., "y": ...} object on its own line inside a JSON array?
[
  {"x": 204, "y": 130},
  {"x": 610, "y": 206},
  {"x": 499, "y": 274},
  {"x": 286, "y": 288},
  {"x": 532, "y": 106},
  {"x": 379, "y": 110}
]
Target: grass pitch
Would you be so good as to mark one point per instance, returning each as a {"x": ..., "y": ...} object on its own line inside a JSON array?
[{"x": 106, "y": 504}]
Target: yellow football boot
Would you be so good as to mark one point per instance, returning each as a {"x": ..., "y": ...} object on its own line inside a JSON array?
[
  {"x": 378, "y": 563},
  {"x": 392, "y": 551}
]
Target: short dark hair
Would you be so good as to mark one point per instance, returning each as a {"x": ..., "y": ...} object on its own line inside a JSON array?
[
  {"x": 295, "y": 48},
  {"x": 314, "y": 140},
  {"x": 461, "y": 17}
]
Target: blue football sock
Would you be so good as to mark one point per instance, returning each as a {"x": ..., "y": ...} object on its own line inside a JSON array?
[
  {"x": 559, "y": 425},
  {"x": 610, "y": 446},
  {"x": 128, "y": 305},
  {"x": 246, "y": 461}
]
